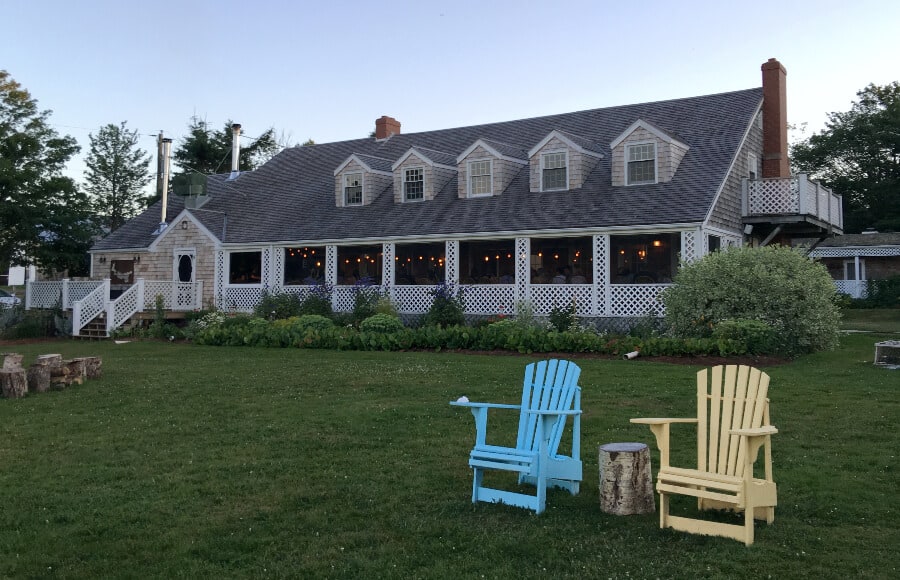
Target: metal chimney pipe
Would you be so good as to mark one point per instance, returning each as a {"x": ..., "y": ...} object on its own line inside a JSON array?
[
  {"x": 166, "y": 150},
  {"x": 235, "y": 148}
]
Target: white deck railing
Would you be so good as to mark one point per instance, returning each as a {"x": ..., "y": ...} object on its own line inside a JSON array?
[
  {"x": 796, "y": 195},
  {"x": 853, "y": 288},
  {"x": 89, "y": 307}
]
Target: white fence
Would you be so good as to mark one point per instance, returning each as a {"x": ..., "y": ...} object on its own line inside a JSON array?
[{"x": 795, "y": 195}]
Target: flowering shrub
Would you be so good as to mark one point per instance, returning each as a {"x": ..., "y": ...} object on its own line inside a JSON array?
[
  {"x": 318, "y": 301},
  {"x": 448, "y": 306}
]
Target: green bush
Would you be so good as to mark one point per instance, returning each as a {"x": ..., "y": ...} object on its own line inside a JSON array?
[
  {"x": 318, "y": 301},
  {"x": 383, "y": 323},
  {"x": 562, "y": 318},
  {"x": 17, "y": 323},
  {"x": 882, "y": 293},
  {"x": 385, "y": 305},
  {"x": 277, "y": 306},
  {"x": 365, "y": 298},
  {"x": 448, "y": 306},
  {"x": 779, "y": 286},
  {"x": 312, "y": 322},
  {"x": 755, "y": 336}
]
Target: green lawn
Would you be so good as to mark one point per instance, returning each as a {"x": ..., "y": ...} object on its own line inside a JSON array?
[
  {"x": 187, "y": 461},
  {"x": 872, "y": 319}
]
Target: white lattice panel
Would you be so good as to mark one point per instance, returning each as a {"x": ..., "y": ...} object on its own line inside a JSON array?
[
  {"x": 637, "y": 299},
  {"x": 343, "y": 298},
  {"x": 689, "y": 246},
  {"x": 774, "y": 196},
  {"x": 44, "y": 294},
  {"x": 123, "y": 307},
  {"x": 545, "y": 297},
  {"x": 601, "y": 274},
  {"x": 219, "y": 290},
  {"x": 184, "y": 296},
  {"x": 490, "y": 298},
  {"x": 413, "y": 299},
  {"x": 854, "y": 288},
  {"x": 388, "y": 265},
  {"x": 154, "y": 288},
  {"x": 876, "y": 251},
  {"x": 451, "y": 264},
  {"x": 241, "y": 299},
  {"x": 331, "y": 264},
  {"x": 78, "y": 290},
  {"x": 523, "y": 268},
  {"x": 88, "y": 308},
  {"x": 277, "y": 269},
  {"x": 267, "y": 275},
  {"x": 301, "y": 292}
]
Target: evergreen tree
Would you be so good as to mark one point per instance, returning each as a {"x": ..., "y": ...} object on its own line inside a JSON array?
[
  {"x": 858, "y": 156},
  {"x": 44, "y": 219},
  {"x": 117, "y": 171},
  {"x": 208, "y": 151}
]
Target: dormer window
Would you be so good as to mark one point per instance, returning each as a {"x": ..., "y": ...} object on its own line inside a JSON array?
[
  {"x": 480, "y": 177},
  {"x": 353, "y": 191},
  {"x": 554, "y": 172},
  {"x": 641, "y": 162},
  {"x": 414, "y": 184}
]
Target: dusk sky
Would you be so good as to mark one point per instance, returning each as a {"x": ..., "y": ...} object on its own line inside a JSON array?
[{"x": 327, "y": 70}]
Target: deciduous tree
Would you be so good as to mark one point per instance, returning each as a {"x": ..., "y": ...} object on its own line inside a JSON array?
[
  {"x": 117, "y": 171},
  {"x": 44, "y": 219},
  {"x": 858, "y": 156}
]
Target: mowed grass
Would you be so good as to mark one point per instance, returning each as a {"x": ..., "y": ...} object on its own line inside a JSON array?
[
  {"x": 885, "y": 320},
  {"x": 201, "y": 462}
]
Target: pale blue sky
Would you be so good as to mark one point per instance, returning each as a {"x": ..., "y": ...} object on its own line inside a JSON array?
[{"x": 327, "y": 70}]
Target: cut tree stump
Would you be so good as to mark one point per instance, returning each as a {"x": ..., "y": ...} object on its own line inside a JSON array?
[
  {"x": 10, "y": 360},
  {"x": 70, "y": 372},
  {"x": 13, "y": 384},
  {"x": 38, "y": 378},
  {"x": 93, "y": 367},
  {"x": 626, "y": 484},
  {"x": 51, "y": 360}
]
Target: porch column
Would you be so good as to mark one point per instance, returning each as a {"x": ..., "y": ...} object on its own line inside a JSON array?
[
  {"x": 859, "y": 286},
  {"x": 388, "y": 251},
  {"x": 602, "y": 292},
  {"x": 523, "y": 270},
  {"x": 331, "y": 272},
  {"x": 451, "y": 263},
  {"x": 220, "y": 277},
  {"x": 277, "y": 268},
  {"x": 690, "y": 245}
]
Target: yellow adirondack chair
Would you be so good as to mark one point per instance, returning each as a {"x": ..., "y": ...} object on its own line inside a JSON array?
[{"x": 732, "y": 424}]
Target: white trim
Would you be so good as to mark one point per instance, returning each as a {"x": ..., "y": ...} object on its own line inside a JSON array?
[
  {"x": 859, "y": 269},
  {"x": 403, "y": 196},
  {"x": 659, "y": 133},
  {"x": 752, "y": 165},
  {"x": 489, "y": 149},
  {"x": 628, "y": 147},
  {"x": 569, "y": 143},
  {"x": 422, "y": 157},
  {"x": 469, "y": 177},
  {"x": 176, "y": 253},
  {"x": 541, "y": 174},
  {"x": 227, "y": 264},
  {"x": 365, "y": 166},
  {"x": 184, "y": 215},
  {"x": 362, "y": 188}
]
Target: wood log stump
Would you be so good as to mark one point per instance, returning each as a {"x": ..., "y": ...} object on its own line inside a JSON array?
[
  {"x": 13, "y": 384},
  {"x": 10, "y": 360},
  {"x": 93, "y": 367},
  {"x": 51, "y": 360},
  {"x": 70, "y": 372},
  {"x": 38, "y": 378},
  {"x": 626, "y": 485}
]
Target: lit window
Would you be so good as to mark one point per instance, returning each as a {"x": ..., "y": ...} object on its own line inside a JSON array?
[
  {"x": 414, "y": 184},
  {"x": 642, "y": 163},
  {"x": 480, "y": 177},
  {"x": 353, "y": 189},
  {"x": 553, "y": 172}
]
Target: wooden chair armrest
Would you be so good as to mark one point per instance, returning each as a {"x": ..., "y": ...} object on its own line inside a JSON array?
[
  {"x": 759, "y": 431},
  {"x": 655, "y": 421},
  {"x": 536, "y": 412},
  {"x": 484, "y": 405}
]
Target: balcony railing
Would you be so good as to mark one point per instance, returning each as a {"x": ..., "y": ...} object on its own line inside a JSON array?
[{"x": 792, "y": 196}]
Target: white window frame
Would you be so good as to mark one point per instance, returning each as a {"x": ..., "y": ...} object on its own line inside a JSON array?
[
  {"x": 406, "y": 198},
  {"x": 490, "y": 176},
  {"x": 362, "y": 187},
  {"x": 850, "y": 267},
  {"x": 752, "y": 166},
  {"x": 544, "y": 155},
  {"x": 628, "y": 160}
]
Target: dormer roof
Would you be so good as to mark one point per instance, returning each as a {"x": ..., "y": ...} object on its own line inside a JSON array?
[
  {"x": 576, "y": 142},
  {"x": 641, "y": 124},
  {"x": 497, "y": 149},
  {"x": 369, "y": 163},
  {"x": 429, "y": 156}
]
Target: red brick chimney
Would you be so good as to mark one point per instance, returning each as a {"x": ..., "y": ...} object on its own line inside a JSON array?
[
  {"x": 774, "y": 110},
  {"x": 386, "y": 126}
]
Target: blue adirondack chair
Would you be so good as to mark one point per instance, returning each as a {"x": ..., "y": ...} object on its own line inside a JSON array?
[{"x": 549, "y": 396}]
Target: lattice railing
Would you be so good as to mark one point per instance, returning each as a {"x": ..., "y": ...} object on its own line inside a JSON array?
[
  {"x": 77, "y": 290},
  {"x": 853, "y": 288},
  {"x": 43, "y": 294},
  {"x": 89, "y": 307},
  {"x": 637, "y": 299},
  {"x": 490, "y": 299},
  {"x": 176, "y": 295},
  {"x": 545, "y": 297},
  {"x": 123, "y": 307},
  {"x": 241, "y": 299},
  {"x": 413, "y": 299},
  {"x": 343, "y": 298},
  {"x": 792, "y": 195}
]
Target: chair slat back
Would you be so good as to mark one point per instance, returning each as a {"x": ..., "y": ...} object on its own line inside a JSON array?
[
  {"x": 728, "y": 397},
  {"x": 549, "y": 385}
]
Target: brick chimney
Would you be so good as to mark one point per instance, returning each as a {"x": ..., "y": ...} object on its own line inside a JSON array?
[
  {"x": 386, "y": 126},
  {"x": 774, "y": 110}
]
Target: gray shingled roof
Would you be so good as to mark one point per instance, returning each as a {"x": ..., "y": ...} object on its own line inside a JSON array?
[
  {"x": 291, "y": 198},
  {"x": 438, "y": 157},
  {"x": 507, "y": 149},
  {"x": 863, "y": 240},
  {"x": 376, "y": 163},
  {"x": 584, "y": 143}
]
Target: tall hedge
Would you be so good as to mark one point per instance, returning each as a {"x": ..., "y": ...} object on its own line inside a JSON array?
[{"x": 777, "y": 285}]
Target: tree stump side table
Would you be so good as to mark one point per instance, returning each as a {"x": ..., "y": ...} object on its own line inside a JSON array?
[{"x": 626, "y": 484}]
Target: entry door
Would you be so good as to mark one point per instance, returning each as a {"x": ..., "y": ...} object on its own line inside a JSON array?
[{"x": 184, "y": 275}]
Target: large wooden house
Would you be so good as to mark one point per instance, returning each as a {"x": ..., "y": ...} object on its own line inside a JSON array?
[{"x": 595, "y": 207}]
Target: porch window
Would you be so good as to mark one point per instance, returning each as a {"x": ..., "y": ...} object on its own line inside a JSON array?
[
  {"x": 419, "y": 264},
  {"x": 554, "y": 171},
  {"x": 245, "y": 268},
  {"x": 359, "y": 264},
  {"x": 414, "y": 184},
  {"x": 490, "y": 262},
  {"x": 644, "y": 259},
  {"x": 304, "y": 265},
  {"x": 641, "y": 163},
  {"x": 561, "y": 260}
]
